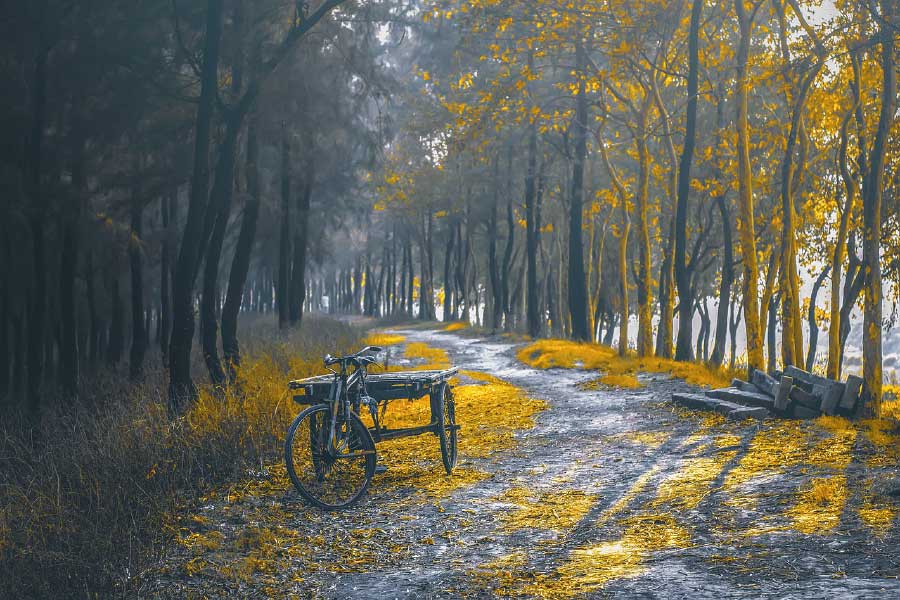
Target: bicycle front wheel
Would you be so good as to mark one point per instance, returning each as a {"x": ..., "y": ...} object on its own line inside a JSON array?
[{"x": 330, "y": 478}]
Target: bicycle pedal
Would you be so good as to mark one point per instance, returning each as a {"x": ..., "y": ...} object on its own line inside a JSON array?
[{"x": 379, "y": 469}]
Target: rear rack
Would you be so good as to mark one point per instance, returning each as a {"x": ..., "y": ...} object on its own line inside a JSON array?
[{"x": 396, "y": 385}]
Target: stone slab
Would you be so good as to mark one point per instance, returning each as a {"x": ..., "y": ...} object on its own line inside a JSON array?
[
  {"x": 851, "y": 394},
  {"x": 762, "y": 381},
  {"x": 783, "y": 393},
  {"x": 738, "y": 396},
  {"x": 804, "y": 398},
  {"x": 748, "y": 412}
]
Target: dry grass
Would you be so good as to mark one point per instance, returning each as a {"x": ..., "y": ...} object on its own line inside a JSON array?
[
  {"x": 619, "y": 371},
  {"x": 84, "y": 502}
]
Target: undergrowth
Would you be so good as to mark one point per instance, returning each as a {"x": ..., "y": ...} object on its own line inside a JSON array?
[{"x": 86, "y": 497}]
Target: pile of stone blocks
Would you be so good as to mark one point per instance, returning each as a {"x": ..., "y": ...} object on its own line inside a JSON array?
[{"x": 793, "y": 393}]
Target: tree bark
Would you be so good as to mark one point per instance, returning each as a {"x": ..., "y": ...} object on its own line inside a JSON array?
[
  {"x": 116, "y": 343},
  {"x": 38, "y": 303},
  {"x": 448, "y": 285},
  {"x": 220, "y": 202},
  {"x": 426, "y": 282},
  {"x": 792, "y": 333},
  {"x": 623, "y": 245},
  {"x": 811, "y": 319},
  {"x": 745, "y": 193},
  {"x": 69, "y": 359},
  {"x": 284, "y": 252},
  {"x": 851, "y": 189},
  {"x": 165, "y": 265},
  {"x": 772, "y": 337},
  {"x": 138, "y": 331},
  {"x": 298, "y": 270},
  {"x": 493, "y": 266},
  {"x": 682, "y": 273},
  {"x": 507, "y": 262},
  {"x": 533, "y": 316},
  {"x": 873, "y": 190},
  {"x": 576, "y": 284},
  {"x": 181, "y": 386},
  {"x": 726, "y": 279}
]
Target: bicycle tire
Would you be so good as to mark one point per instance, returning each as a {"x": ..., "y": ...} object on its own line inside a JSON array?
[
  {"x": 309, "y": 467},
  {"x": 447, "y": 432}
]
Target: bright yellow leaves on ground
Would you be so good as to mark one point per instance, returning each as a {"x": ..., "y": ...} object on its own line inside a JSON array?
[
  {"x": 434, "y": 358},
  {"x": 457, "y": 326},
  {"x": 490, "y": 413},
  {"x": 553, "y": 509},
  {"x": 688, "y": 486},
  {"x": 619, "y": 371},
  {"x": 591, "y": 567},
  {"x": 383, "y": 340}
]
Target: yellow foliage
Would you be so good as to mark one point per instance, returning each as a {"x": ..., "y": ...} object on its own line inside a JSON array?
[
  {"x": 589, "y": 568},
  {"x": 820, "y": 505},
  {"x": 457, "y": 326},
  {"x": 688, "y": 486},
  {"x": 551, "y": 353},
  {"x": 384, "y": 340},
  {"x": 878, "y": 515},
  {"x": 434, "y": 358},
  {"x": 555, "y": 509}
]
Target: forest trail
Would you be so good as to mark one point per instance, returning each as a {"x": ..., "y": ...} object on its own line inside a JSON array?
[{"x": 611, "y": 492}]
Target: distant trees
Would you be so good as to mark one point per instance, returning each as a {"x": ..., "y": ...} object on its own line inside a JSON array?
[
  {"x": 740, "y": 91},
  {"x": 593, "y": 171}
]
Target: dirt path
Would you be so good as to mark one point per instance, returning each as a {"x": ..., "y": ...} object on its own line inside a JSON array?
[{"x": 611, "y": 493}]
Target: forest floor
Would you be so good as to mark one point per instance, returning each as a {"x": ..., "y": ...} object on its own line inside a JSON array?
[{"x": 575, "y": 490}]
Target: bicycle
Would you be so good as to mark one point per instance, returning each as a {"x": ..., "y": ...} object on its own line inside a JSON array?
[{"x": 330, "y": 453}]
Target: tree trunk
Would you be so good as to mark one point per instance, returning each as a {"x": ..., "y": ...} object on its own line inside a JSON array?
[
  {"x": 448, "y": 286},
  {"x": 682, "y": 271},
  {"x": 411, "y": 277},
  {"x": 220, "y": 202},
  {"x": 664, "y": 345},
  {"x": 165, "y": 308},
  {"x": 733, "y": 321},
  {"x": 38, "y": 303},
  {"x": 493, "y": 266},
  {"x": 745, "y": 194},
  {"x": 533, "y": 316},
  {"x": 644, "y": 278},
  {"x": 792, "y": 333},
  {"x": 426, "y": 282},
  {"x": 727, "y": 273},
  {"x": 811, "y": 319},
  {"x": 772, "y": 337},
  {"x": 181, "y": 386},
  {"x": 116, "y": 343},
  {"x": 298, "y": 270},
  {"x": 873, "y": 191},
  {"x": 284, "y": 252},
  {"x": 507, "y": 260},
  {"x": 623, "y": 244},
  {"x": 69, "y": 359},
  {"x": 138, "y": 332},
  {"x": 576, "y": 285}
]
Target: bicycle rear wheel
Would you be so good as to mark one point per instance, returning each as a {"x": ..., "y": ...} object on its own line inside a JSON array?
[
  {"x": 447, "y": 429},
  {"x": 326, "y": 479}
]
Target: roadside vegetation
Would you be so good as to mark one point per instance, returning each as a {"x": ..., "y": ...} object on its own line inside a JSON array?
[{"x": 88, "y": 502}]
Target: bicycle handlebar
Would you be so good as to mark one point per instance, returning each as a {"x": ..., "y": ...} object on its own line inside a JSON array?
[{"x": 333, "y": 360}]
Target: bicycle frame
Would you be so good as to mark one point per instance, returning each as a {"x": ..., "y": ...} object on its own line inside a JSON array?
[{"x": 340, "y": 391}]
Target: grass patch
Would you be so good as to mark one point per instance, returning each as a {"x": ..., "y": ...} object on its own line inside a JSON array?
[
  {"x": 619, "y": 371},
  {"x": 87, "y": 496}
]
